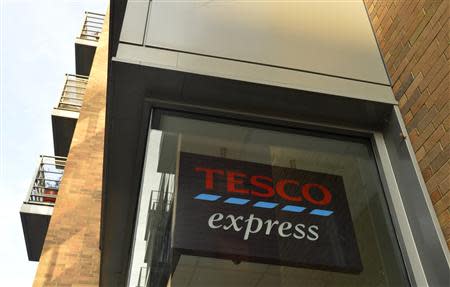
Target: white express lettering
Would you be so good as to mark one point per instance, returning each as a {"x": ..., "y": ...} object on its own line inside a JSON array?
[
  {"x": 285, "y": 226},
  {"x": 312, "y": 230},
  {"x": 253, "y": 225},
  {"x": 249, "y": 230},
  {"x": 213, "y": 218},
  {"x": 300, "y": 229},
  {"x": 233, "y": 223}
]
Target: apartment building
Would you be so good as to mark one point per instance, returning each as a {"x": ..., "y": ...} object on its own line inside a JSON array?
[{"x": 249, "y": 144}]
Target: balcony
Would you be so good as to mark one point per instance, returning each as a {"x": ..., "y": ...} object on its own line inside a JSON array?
[
  {"x": 142, "y": 279},
  {"x": 37, "y": 208},
  {"x": 65, "y": 114},
  {"x": 86, "y": 42}
]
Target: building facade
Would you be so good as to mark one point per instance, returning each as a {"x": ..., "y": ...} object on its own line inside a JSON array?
[
  {"x": 245, "y": 144},
  {"x": 413, "y": 39}
]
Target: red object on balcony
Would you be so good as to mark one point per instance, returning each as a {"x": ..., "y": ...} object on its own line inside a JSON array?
[{"x": 49, "y": 191}]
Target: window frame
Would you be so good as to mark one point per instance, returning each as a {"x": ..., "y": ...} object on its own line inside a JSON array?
[{"x": 396, "y": 205}]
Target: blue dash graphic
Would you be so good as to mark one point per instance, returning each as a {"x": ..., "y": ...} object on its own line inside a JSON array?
[
  {"x": 207, "y": 197},
  {"x": 235, "y": 200},
  {"x": 321, "y": 212},
  {"x": 293, "y": 208},
  {"x": 265, "y": 204}
]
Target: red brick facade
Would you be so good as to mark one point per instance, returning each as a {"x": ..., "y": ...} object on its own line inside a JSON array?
[
  {"x": 71, "y": 255},
  {"x": 414, "y": 40}
]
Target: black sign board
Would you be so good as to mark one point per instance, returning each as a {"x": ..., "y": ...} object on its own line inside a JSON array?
[{"x": 247, "y": 211}]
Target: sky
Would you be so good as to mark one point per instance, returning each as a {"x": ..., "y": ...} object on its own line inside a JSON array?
[{"x": 36, "y": 51}]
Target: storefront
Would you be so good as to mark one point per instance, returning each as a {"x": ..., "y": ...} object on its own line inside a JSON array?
[
  {"x": 224, "y": 168},
  {"x": 248, "y": 192}
]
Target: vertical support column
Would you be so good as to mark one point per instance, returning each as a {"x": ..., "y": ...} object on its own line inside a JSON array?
[{"x": 71, "y": 255}]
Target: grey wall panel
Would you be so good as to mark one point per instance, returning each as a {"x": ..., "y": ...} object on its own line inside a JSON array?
[
  {"x": 254, "y": 73},
  {"x": 329, "y": 37},
  {"x": 134, "y": 22}
]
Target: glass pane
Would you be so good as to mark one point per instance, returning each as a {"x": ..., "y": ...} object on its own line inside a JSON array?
[{"x": 155, "y": 264}]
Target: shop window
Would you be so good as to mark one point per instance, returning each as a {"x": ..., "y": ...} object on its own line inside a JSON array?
[{"x": 297, "y": 175}]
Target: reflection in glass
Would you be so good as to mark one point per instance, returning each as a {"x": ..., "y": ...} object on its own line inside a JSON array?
[{"x": 153, "y": 262}]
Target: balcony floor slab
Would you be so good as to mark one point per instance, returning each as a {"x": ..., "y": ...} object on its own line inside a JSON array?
[
  {"x": 63, "y": 124},
  {"x": 84, "y": 55},
  {"x": 35, "y": 219}
]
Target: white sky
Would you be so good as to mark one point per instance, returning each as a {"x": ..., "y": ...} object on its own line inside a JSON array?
[{"x": 36, "y": 50}]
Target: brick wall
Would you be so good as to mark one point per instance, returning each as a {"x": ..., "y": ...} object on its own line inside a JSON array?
[
  {"x": 71, "y": 255},
  {"x": 414, "y": 41}
]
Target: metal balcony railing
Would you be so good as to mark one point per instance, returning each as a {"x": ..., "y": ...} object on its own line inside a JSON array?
[
  {"x": 142, "y": 280},
  {"x": 73, "y": 93},
  {"x": 45, "y": 185},
  {"x": 158, "y": 232},
  {"x": 161, "y": 202},
  {"x": 92, "y": 26}
]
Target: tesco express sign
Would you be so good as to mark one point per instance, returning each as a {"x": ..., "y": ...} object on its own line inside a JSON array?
[{"x": 261, "y": 213}]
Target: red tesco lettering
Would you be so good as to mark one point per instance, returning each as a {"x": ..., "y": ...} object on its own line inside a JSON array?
[{"x": 235, "y": 181}]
